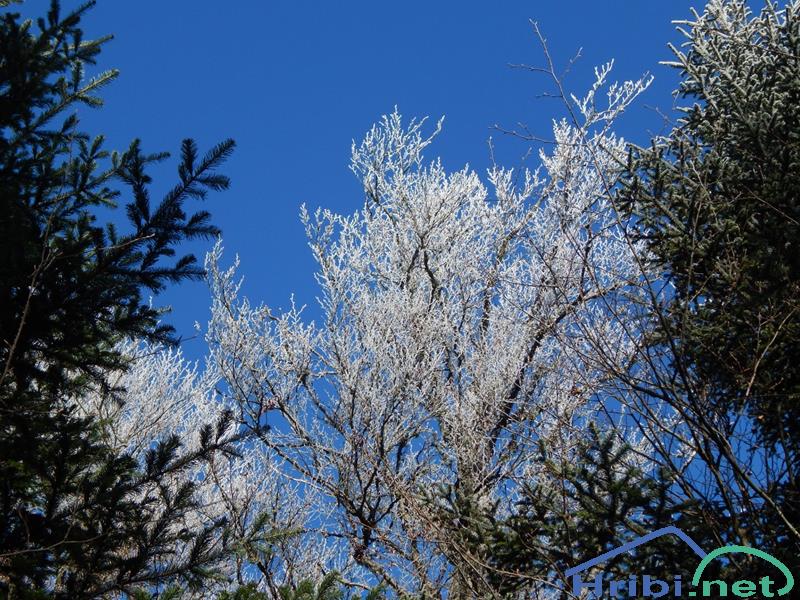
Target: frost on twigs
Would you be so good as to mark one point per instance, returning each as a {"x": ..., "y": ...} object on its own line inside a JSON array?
[
  {"x": 618, "y": 95},
  {"x": 463, "y": 323},
  {"x": 461, "y": 327}
]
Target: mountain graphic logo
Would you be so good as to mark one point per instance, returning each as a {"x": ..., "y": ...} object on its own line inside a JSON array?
[{"x": 645, "y": 586}]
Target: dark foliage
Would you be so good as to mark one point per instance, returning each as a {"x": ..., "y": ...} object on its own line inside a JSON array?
[
  {"x": 580, "y": 509},
  {"x": 77, "y": 520},
  {"x": 718, "y": 203}
]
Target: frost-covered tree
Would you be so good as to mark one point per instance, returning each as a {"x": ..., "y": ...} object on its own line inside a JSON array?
[
  {"x": 449, "y": 351},
  {"x": 162, "y": 396},
  {"x": 501, "y": 365}
]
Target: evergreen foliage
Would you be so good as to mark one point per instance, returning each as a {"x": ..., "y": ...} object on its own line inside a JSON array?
[
  {"x": 327, "y": 588},
  {"x": 583, "y": 508},
  {"x": 718, "y": 204},
  {"x": 78, "y": 520},
  {"x": 454, "y": 441}
]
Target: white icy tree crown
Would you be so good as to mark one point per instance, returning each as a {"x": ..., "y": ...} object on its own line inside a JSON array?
[{"x": 461, "y": 325}]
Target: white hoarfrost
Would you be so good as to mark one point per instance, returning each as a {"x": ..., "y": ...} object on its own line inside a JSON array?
[{"x": 462, "y": 324}]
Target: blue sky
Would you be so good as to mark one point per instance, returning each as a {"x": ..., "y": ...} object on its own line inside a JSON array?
[{"x": 295, "y": 82}]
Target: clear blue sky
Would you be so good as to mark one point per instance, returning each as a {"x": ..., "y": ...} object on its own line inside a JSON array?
[{"x": 293, "y": 82}]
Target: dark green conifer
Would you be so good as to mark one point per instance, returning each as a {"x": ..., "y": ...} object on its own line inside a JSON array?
[
  {"x": 718, "y": 204},
  {"x": 76, "y": 519}
]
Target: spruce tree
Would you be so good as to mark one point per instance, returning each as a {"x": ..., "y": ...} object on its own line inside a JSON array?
[
  {"x": 718, "y": 204},
  {"x": 574, "y": 511},
  {"x": 78, "y": 520}
]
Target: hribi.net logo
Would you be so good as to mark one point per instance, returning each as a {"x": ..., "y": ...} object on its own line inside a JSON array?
[{"x": 646, "y": 586}]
